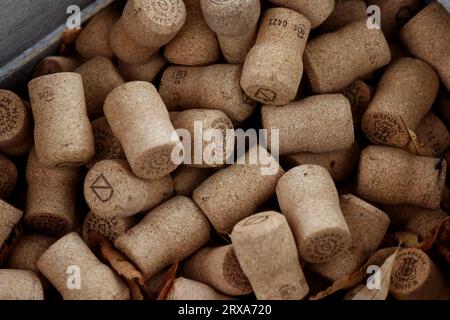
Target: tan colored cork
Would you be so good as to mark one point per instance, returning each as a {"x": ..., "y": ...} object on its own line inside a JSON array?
[
  {"x": 225, "y": 197},
  {"x": 359, "y": 93},
  {"x": 405, "y": 94},
  {"x": 393, "y": 176},
  {"x": 94, "y": 39},
  {"x": 100, "y": 77},
  {"x": 344, "y": 13},
  {"x": 8, "y": 176},
  {"x": 9, "y": 217},
  {"x": 212, "y": 87},
  {"x": 20, "y": 285},
  {"x": 70, "y": 257},
  {"x": 112, "y": 190},
  {"x": 186, "y": 289},
  {"x": 235, "y": 23},
  {"x": 196, "y": 44},
  {"x": 219, "y": 268},
  {"x": 318, "y": 124},
  {"x": 368, "y": 226},
  {"x": 273, "y": 68},
  {"x": 51, "y": 197},
  {"x": 434, "y": 134},
  {"x": 146, "y": 71},
  {"x": 266, "y": 251},
  {"x": 187, "y": 179},
  {"x": 139, "y": 119},
  {"x": 55, "y": 64},
  {"x": 430, "y": 25},
  {"x": 309, "y": 200},
  {"x": 173, "y": 231},
  {"x": 334, "y": 60},
  {"x": 415, "y": 277}
]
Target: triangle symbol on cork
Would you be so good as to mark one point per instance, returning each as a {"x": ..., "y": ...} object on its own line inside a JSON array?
[{"x": 102, "y": 188}]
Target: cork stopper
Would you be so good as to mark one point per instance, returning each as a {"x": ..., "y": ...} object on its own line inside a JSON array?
[
  {"x": 274, "y": 78},
  {"x": 266, "y": 251},
  {"x": 329, "y": 125},
  {"x": 430, "y": 25},
  {"x": 51, "y": 197},
  {"x": 393, "y": 176},
  {"x": 16, "y": 124},
  {"x": 70, "y": 256},
  {"x": 8, "y": 176},
  {"x": 334, "y": 60},
  {"x": 143, "y": 72},
  {"x": 220, "y": 196},
  {"x": 405, "y": 94},
  {"x": 344, "y": 13},
  {"x": 187, "y": 179},
  {"x": 174, "y": 230},
  {"x": 415, "y": 277},
  {"x": 186, "y": 289},
  {"x": 359, "y": 93},
  {"x": 368, "y": 226},
  {"x": 213, "y": 87},
  {"x": 235, "y": 23},
  {"x": 434, "y": 134},
  {"x": 9, "y": 217},
  {"x": 55, "y": 64},
  {"x": 112, "y": 190},
  {"x": 20, "y": 285},
  {"x": 133, "y": 111},
  {"x": 93, "y": 41},
  {"x": 100, "y": 77},
  {"x": 219, "y": 268},
  {"x": 309, "y": 200}
]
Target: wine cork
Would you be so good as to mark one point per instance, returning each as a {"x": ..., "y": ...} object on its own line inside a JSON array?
[
  {"x": 340, "y": 164},
  {"x": 100, "y": 77},
  {"x": 275, "y": 78},
  {"x": 316, "y": 11},
  {"x": 143, "y": 72},
  {"x": 209, "y": 150},
  {"x": 212, "y": 87},
  {"x": 220, "y": 196},
  {"x": 8, "y": 176},
  {"x": 51, "y": 197},
  {"x": 219, "y": 268},
  {"x": 186, "y": 289},
  {"x": 55, "y": 64},
  {"x": 69, "y": 262},
  {"x": 93, "y": 41},
  {"x": 359, "y": 93},
  {"x": 415, "y": 277},
  {"x": 63, "y": 134},
  {"x": 266, "y": 251},
  {"x": 16, "y": 125},
  {"x": 309, "y": 200},
  {"x": 9, "y": 217},
  {"x": 133, "y": 111},
  {"x": 173, "y": 231},
  {"x": 334, "y": 60},
  {"x": 434, "y": 134},
  {"x": 393, "y": 176},
  {"x": 405, "y": 94},
  {"x": 20, "y": 285},
  {"x": 196, "y": 44},
  {"x": 430, "y": 25},
  {"x": 112, "y": 190},
  {"x": 187, "y": 179},
  {"x": 344, "y": 12},
  {"x": 368, "y": 226},
  {"x": 153, "y": 23},
  {"x": 235, "y": 23},
  {"x": 329, "y": 126}
]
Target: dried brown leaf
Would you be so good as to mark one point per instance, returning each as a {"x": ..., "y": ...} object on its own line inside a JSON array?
[
  {"x": 406, "y": 239},
  {"x": 10, "y": 243},
  {"x": 429, "y": 241},
  {"x": 167, "y": 283},
  {"x": 416, "y": 146}
]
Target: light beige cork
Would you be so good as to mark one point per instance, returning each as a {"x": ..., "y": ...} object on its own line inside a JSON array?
[
  {"x": 186, "y": 289},
  {"x": 173, "y": 231},
  {"x": 146, "y": 71},
  {"x": 430, "y": 26},
  {"x": 8, "y": 176},
  {"x": 70, "y": 258},
  {"x": 393, "y": 176},
  {"x": 55, "y": 64},
  {"x": 309, "y": 200},
  {"x": 334, "y": 60},
  {"x": 100, "y": 77},
  {"x": 273, "y": 67},
  {"x": 368, "y": 226},
  {"x": 266, "y": 251},
  {"x": 344, "y": 12},
  {"x": 112, "y": 190},
  {"x": 405, "y": 94},
  {"x": 219, "y": 268},
  {"x": 225, "y": 198},
  {"x": 318, "y": 124},
  {"x": 9, "y": 217},
  {"x": 139, "y": 119},
  {"x": 51, "y": 197},
  {"x": 212, "y": 87},
  {"x": 20, "y": 285},
  {"x": 359, "y": 93},
  {"x": 93, "y": 41},
  {"x": 434, "y": 134},
  {"x": 187, "y": 179}
]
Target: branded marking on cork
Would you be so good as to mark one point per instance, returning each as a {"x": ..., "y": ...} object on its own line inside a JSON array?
[
  {"x": 255, "y": 220},
  {"x": 179, "y": 75},
  {"x": 47, "y": 94},
  {"x": 266, "y": 95},
  {"x": 102, "y": 188}
]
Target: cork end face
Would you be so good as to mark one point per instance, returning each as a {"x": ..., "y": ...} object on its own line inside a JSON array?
[
  {"x": 48, "y": 223},
  {"x": 13, "y": 114},
  {"x": 234, "y": 275},
  {"x": 385, "y": 129}
]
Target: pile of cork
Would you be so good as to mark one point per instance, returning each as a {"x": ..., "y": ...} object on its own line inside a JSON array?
[{"x": 354, "y": 111}]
